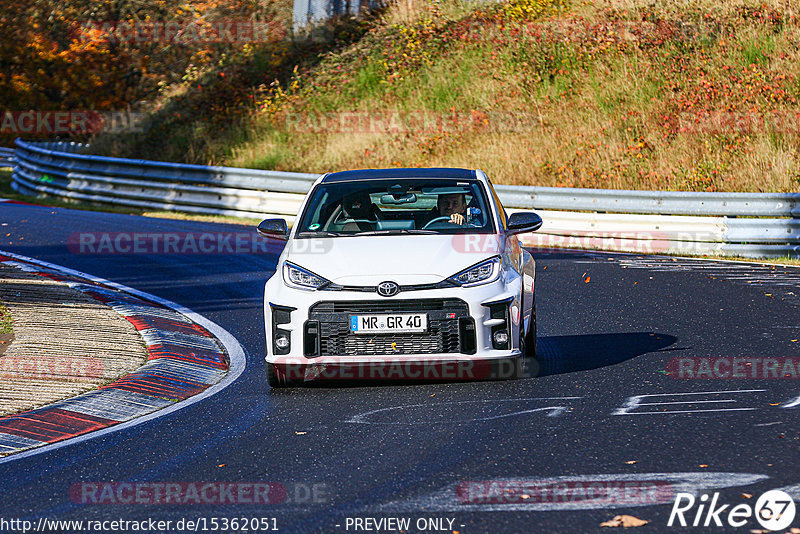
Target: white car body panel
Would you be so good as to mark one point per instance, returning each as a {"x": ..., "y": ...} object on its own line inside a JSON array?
[{"x": 405, "y": 260}]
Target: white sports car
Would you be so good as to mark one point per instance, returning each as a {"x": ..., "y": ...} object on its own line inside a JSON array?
[{"x": 400, "y": 274}]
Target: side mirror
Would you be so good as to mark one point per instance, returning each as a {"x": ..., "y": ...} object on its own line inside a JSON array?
[
  {"x": 523, "y": 222},
  {"x": 273, "y": 228}
]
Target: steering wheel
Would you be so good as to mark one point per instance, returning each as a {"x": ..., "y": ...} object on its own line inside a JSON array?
[{"x": 437, "y": 219}]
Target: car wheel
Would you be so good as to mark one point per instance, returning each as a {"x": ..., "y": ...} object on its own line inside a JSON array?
[
  {"x": 530, "y": 336},
  {"x": 518, "y": 369},
  {"x": 276, "y": 377}
]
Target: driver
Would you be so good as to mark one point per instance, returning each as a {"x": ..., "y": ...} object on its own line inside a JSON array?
[{"x": 453, "y": 205}]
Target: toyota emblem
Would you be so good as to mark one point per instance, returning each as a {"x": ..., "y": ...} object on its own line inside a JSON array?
[{"x": 388, "y": 289}]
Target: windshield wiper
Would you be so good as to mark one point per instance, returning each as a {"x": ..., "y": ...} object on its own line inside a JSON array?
[
  {"x": 320, "y": 233},
  {"x": 399, "y": 231}
]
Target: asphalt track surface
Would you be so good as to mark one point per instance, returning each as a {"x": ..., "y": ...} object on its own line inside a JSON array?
[{"x": 401, "y": 450}]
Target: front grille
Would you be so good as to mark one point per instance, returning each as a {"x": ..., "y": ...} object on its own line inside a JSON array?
[
  {"x": 443, "y": 334},
  {"x": 444, "y": 284},
  {"x": 390, "y": 306}
]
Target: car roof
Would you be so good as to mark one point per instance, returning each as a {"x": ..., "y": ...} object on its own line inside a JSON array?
[{"x": 378, "y": 174}]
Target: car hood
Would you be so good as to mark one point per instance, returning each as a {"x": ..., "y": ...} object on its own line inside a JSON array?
[{"x": 408, "y": 259}]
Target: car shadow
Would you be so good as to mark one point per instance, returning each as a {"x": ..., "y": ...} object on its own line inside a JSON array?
[{"x": 568, "y": 354}]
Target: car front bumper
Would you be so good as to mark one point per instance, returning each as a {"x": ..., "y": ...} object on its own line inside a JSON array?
[{"x": 295, "y": 309}]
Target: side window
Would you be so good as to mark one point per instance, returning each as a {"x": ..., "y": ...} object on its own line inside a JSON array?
[{"x": 500, "y": 208}]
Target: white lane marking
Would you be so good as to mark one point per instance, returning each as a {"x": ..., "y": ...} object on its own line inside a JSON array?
[
  {"x": 235, "y": 352},
  {"x": 186, "y": 370},
  {"x": 154, "y": 336},
  {"x": 116, "y": 404},
  {"x": 147, "y": 311},
  {"x": 689, "y": 411},
  {"x": 682, "y": 402},
  {"x": 554, "y": 411},
  {"x": 793, "y": 490},
  {"x": 635, "y": 401},
  {"x": 10, "y": 442},
  {"x": 769, "y": 424},
  {"x": 447, "y": 499},
  {"x": 794, "y": 402}
]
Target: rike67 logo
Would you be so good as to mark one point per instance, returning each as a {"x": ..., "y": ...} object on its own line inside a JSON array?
[{"x": 774, "y": 510}]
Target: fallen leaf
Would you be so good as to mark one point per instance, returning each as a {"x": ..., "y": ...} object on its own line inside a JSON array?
[
  {"x": 586, "y": 280},
  {"x": 300, "y": 433},
  {"x": 545, "y": 268},
  {"x": 631, "y": 462},
  {"x": 524, "y": 496},
  {"x": 776, "y": 404},
  {"x": 432, "y": 395},
  {"x": 624, "y": 521},
  {"x": 221, "y": 465},
  {"x": 793, "y": 340},
  {"x": 768, "y": 294},
  {"x": 703, "y": 465},
  {"x": 747, "y": 495}
]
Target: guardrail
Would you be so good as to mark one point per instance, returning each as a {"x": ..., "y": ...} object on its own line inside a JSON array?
[{"x": 742, "y": 224}]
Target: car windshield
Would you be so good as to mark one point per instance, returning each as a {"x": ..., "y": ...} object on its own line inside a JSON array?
[{"x": 406, "y": 206}]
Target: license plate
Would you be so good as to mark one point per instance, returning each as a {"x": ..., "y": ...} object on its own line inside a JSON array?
[{"x": 397, "y": 323}]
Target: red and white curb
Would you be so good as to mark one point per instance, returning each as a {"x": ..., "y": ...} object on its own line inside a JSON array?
[{"x": 189, "y": 358}]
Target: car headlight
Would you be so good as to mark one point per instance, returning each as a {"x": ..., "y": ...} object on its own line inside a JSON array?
[
  {"x": 481, "y": 273},
  {"x": 296, "y": 276}
]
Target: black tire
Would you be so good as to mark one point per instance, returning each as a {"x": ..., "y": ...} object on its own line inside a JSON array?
[
  {"x": 527, "y": 344},
  {"x": 276, "y": 377},
  {"x": 530, "y": 335},
  {"x": 273, "y": 379},
  {"x": 527, "y": 365},
  {"x": 519, "y": 369}
]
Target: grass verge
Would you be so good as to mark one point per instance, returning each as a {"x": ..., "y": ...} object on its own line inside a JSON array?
[
  {"x": 6, "y": 323},
  {"x": 691, "y": 95}
]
